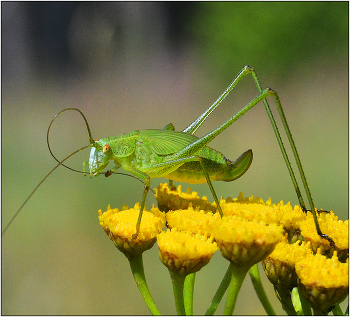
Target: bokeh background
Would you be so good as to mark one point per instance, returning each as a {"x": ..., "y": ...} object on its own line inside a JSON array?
[{"x": 139, "y": 65}]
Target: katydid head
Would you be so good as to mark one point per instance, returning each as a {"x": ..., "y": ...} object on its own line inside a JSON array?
[{"x": 100, "y": 155}]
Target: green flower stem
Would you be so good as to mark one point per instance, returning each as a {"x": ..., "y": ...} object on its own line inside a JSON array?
[
  {"x": 300, "y": 304},
  {"x": 220, "y": 292},
  {"x": 237, "y": 278},
  {"x": 259, "y": 289},
  {"x": 296, "y": 303},
  {"x": 305, "y": 304},
  {"x": 337, "y": 310},
  {"x": 319, "y": 312},
  {"x": 178, "y": 287},
  {"x": 136, "y": 265},
  {"x": 188, "y": 293},
  {"x": 291, "y": 305}
]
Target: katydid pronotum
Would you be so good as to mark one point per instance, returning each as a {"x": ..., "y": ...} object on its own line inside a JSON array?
[{"x": 181, "y": 156}]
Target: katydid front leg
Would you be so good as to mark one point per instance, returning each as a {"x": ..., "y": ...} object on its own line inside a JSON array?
[
  {"x": 110, "y": 172},
  {"x": 147, "y": 181},
  {"x": 143, "y": 202}
]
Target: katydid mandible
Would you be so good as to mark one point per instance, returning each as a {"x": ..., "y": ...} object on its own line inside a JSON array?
[{"x": 181, "y": 156}]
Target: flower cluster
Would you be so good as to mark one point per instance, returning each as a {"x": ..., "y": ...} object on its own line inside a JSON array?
[{"x": 295, "y": 258}]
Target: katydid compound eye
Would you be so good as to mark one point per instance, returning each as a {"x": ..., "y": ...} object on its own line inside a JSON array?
[{"x": 106, "y": 149}]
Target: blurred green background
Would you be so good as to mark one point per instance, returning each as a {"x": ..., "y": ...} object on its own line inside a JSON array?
[{"x": 139, "y": 65}]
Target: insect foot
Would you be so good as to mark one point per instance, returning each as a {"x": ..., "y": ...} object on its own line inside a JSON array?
[{"x": 108, "y": 173}]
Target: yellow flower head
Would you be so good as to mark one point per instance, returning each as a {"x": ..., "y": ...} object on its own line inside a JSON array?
[
  {"x": 291, "y": 253},
  {"x": 245, "y": 243},
  {"x": 338, "y": 230},
  {"x": 279, "y": 266},
  {"x": 252, "y": 209},
  {"x": 120, "y": 225},
  {"x": 291, "y": 221},
  {"x": 174, "y": 199},
  {"x": 324, "y": 282},
  {"x": 183, "y": 252},
  {"x": 292, "y": 216},
  {"x": 195, "y": 221}
]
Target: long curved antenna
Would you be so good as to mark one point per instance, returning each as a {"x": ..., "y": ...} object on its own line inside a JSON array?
[
  {"x": 108, "y": 173},
  {"x": 31, "y": 194},
  {"x": 91, "y": 140}
]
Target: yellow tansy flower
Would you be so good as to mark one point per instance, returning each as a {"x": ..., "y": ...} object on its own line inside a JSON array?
[
  {"x": 183, "y": 252},
  {"x": 174, "y": 199},
  {"x": 245, "y": 243},
  {"x": 279, "y": 266},
  {"x": 120, "y": 226},
  {"x": 195, "y": 221},
  {"x": 292, "y": 216},
  {"x": 338, "y": 230},
  {"x": 291, "y": 221},
  {"x": 291, "y": 253},
  {"x": 324, "y": 282},
  {"x": 252, "y": 209}
]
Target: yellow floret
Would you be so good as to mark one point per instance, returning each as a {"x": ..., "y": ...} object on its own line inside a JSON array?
[
  {"x": 338, "y": 230},
  {"x": 120, "y": 226},
  {"x": 292, "y": 216},
  {"x": 174, "y": 199},
  {"x": 245, "y": 243},
  {"x": 183, "y": 252},
  {"x": 252, "y": 209},
  {"x": 291, "y": 253},
  {"x": 320, "y": 271},
  {"x": 196, "y": 221},
  {"x": 324, "y": 282}
]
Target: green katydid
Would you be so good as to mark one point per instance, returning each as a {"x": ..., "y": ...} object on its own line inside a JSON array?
[{"x": 181, "y": 156}]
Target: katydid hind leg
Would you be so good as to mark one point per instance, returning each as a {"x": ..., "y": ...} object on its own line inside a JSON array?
[
  {"x": 194, "y": 147},
  {"x": 263, "y": 94},
  {"x": 295, "y": 154},
  {"x": 193, "y": 127}
]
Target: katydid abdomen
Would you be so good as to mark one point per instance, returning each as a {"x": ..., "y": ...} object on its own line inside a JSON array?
[{"x": 217, "y": 165}]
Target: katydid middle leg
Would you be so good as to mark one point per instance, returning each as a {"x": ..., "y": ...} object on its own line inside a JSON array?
[
  {"x": 146, "y": 179},
  {"x": 163, "y": 168}
]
